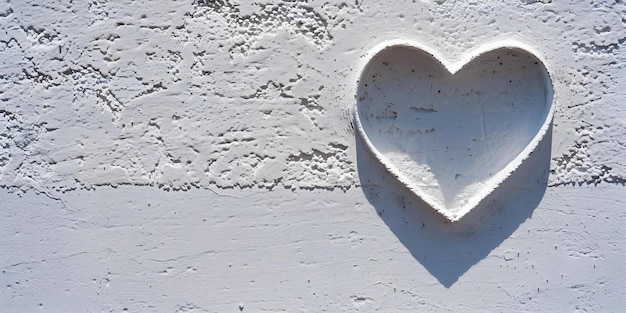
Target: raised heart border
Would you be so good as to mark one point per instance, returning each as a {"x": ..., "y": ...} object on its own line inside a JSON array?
[{"x": 454, "y": 66}]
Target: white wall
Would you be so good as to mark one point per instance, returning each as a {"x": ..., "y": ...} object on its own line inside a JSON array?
[{"x": 180, "y": 156}]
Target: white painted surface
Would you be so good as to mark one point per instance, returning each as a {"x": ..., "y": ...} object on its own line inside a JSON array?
[
  {"x": 185, "y": 156},
  {"x": 453, "y": 132}
]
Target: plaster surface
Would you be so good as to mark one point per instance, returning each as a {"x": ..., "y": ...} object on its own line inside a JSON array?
[
  {"x": 453, "y": 132},
  {"x": 201, "y": 156}
]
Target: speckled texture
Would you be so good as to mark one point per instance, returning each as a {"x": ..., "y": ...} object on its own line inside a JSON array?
[
  {"x": 199, "y": 156},
  {"x": 257, "y": 94}
]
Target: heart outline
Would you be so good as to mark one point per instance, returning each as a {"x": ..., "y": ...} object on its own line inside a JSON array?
[{"x": 453, "y": 67}]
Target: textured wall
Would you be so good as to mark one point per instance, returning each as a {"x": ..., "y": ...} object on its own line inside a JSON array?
[{"x": 192, "y": 156}]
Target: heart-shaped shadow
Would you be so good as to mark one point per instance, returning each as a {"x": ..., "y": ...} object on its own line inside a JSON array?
[
  {"x": 447, "y": 250},
  {"x": 453, "y": 132}
]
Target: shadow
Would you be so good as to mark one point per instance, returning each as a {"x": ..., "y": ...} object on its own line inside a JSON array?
[{"x": 448, "y": 250}]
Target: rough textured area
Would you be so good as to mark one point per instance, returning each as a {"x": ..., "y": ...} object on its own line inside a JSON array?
[
  {"x": 199, "y": 156},
  {"x": 257, "y": 94},
  {"x": 186, "y": 95}
]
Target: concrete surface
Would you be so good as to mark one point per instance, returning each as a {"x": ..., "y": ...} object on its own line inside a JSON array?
[{"x": 200, "y": 156}]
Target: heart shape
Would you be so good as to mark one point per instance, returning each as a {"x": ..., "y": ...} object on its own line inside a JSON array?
[{"x": 453, "y": 131}]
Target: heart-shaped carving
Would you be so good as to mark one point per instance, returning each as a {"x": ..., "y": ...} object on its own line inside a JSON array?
[{"x": 453, "y": 131}]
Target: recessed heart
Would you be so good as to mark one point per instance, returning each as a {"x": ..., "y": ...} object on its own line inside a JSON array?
[{"x": 452, "y": 132}]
